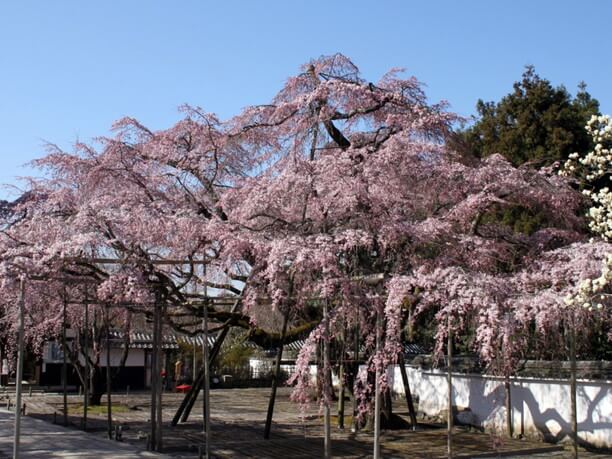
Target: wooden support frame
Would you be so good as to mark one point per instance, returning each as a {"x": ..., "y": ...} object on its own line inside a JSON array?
[
  {"x": 573, "y": 387},
  {"x": 64, "y": 362},
  {"x": 354, "y": 422},
  {"x": 86, "y": 374},
  {"x": 508, "y": 403},
  {"x": 206, "y": 394},
  {"x": 449, "y": 419},
  {"x": 185, "y": 408},
  {"x": 182, "y": 413},
  {"x": 19, "y": 376},
  {"x": 109, "y": 416},
  {"x": 377, "y": 399},
  {"x": 156, "y": 380},
  {"x": 276, "y": 376},
  {"x": 341, "y": 389},
  {"x": 327, "y": 450},
  {"x": 407, "y": 392}
]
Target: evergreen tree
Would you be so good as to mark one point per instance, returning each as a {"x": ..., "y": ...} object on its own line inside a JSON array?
[{"x": 536, "y": 123}]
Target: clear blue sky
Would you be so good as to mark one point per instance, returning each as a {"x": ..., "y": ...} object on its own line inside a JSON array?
[{"x": 68, "y": 69}]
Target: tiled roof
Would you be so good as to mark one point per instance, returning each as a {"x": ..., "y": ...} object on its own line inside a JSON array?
[{"x": 144, "y": 340}]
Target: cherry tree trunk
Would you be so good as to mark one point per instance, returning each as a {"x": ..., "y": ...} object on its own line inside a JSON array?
[{"x": 97, "y": 388}]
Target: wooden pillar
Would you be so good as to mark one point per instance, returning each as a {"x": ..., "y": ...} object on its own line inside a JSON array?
[
  {"x": 156, "y": 428},
  {"x": 276, "y": 376},
  {"x": 159, "y": 420},
  {"x": 205, "y": 374},
  {"x": 190, "y": 398},
  {"x": 449, "y": 420},
  {"x": 194, "y": 365},
  {"x": 182, "y": 413},
  {"x": 109, "y": 415},
  {"x": 206, "y": 395},
  {"x": 86, "y": 374},
  {"x": 377, "y": 401},
  {"x": 327, "y": 386},
  {"x": 341, "y": 389},
  {"x": 407, "y": 392},
  {"x": 64, "y": 362},
  {"x": 153, "y": 412},
  {"x": 341, "y": 395},
  {"x": 573, "y": 387},
  {"x": 354, "y": 423},
  {"x": 508, "y": 390},
  {"x": 19, "y": 376}
]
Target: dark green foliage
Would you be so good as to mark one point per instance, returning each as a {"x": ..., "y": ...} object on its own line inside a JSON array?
[
  {"x": 518, "y": 218},
  {"x": 536, "y": 123},
  {"x": 235, "y": 353},
  {"x": 600, "y": 345}
]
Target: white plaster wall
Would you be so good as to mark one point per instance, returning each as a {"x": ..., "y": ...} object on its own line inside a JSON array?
[
  {"x": 540, "y": 407},
  {"x": 259, "y": 366},
  {"x": 136, "y": 358}
]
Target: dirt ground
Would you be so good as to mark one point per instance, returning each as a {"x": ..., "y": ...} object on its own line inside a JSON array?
[{"x": 237, "y": 423}]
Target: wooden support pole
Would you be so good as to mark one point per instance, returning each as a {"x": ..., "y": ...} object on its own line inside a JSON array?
[
  {"x": 109, "y": 414},
  {"x": 449, "y": 420},
  {"x": 341, "y": 377},
  {"x": 354, "y": 423},
  {"x": 573, "y": 387},
  {"x": 508, "y": 319},
  {"x": 377, "y": 400},
  {"x": 86, "y": 375},
  {"x": 341, "y": 396},
  {"x": 153, "y": 413},
  {"x": 327, "y": 386},
  {"x": 205, "y": 375},
  {"x": 191, "y": 397},
  {"x": 64, "y": 362},
  {"x": 206, "y": 396},
  {"x": 194, "y": 365},
  {"x": 508, "y": 391},
  {"x": 158, "y": 344},
  {"x": 184, "y": 409},
  {"x": 407, "y": 392},
  {"x": 155, "y": 434},
  {"x": 276, "y": 376},
  {"x": 119, "y": 261},
  {"x": 19, "y": 376}
]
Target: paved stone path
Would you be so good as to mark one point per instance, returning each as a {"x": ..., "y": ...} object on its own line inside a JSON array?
[{"x": 41, "y": 440}]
